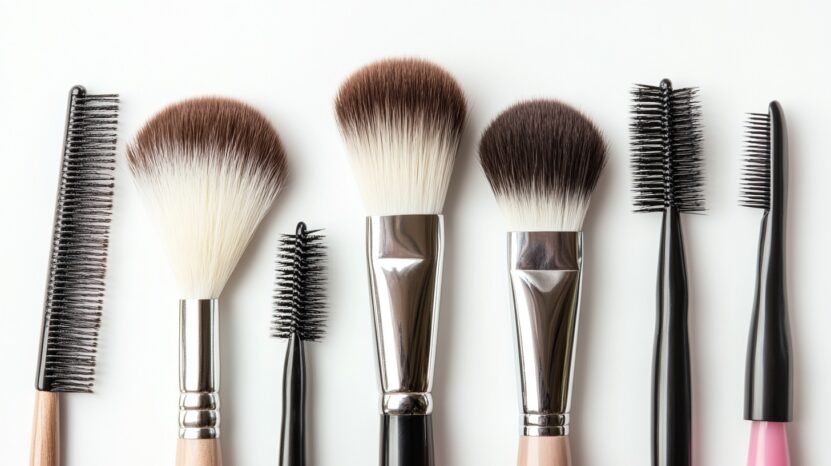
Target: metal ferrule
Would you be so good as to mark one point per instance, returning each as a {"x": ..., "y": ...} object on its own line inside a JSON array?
[
  {"x": 404, "y": 255},
  {"x": 199, "y": 369},
  {"x": 545, "y": 270}
]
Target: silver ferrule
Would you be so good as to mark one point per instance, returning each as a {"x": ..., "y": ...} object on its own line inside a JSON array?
[
  {"x": 198, "y": 369},
  {"x": 404, "y": 255},
  {"x": 545, "y": 270}
]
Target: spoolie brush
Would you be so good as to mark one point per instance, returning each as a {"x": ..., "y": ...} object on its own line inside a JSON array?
[
  {"x": 543, "y": 160},
  {"x": 77, "y": 264},
  {"x": 209, "y": 170},
  {"x": 769, "y": 376},
  {"x": 402, "y": 121},
  {"x": 299, "y": 316},
  {"x": 667, "y": 177}
]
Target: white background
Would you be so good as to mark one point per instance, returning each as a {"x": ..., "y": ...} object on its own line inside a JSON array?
[{"x": 288, "y": 60}]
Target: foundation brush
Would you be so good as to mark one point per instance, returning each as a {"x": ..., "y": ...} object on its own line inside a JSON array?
[
  {"x": 543, "y": 160},
  {"x": 402, "y": 120},
  {"x": 299, "y": 316},
  {"x": 667, "y": 178},
  {"x": 209, "y": 170},
  {"x": 75, "y": 283},
  {"x": 768, "y": 390}
]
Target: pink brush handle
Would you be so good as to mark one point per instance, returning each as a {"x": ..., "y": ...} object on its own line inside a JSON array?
[
  {"x": 768, "y": 444},
  {"x": 544, "y": 451}
]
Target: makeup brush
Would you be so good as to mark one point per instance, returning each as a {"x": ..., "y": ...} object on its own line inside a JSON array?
[
  {"x": 768, "y": 390},
  {"x": 402, "y": 120},
  {"x": 543, "y": 159},
  {"x": 667, "y": 177},
  {"x": 299, "y": 316},
  {"x": 77, "y": 265},
  {"x": 209, "y": 170}
]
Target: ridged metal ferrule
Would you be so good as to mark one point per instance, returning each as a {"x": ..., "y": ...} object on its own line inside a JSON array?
[
  {"x": 199, "y": 369},
  {"x": 404, "y": 256},
  {"x": 545, "y": 270}
]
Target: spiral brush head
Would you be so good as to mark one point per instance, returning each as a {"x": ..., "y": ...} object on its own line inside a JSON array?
[
  {"x": 402, "y": 120},
  {"x": 666, "y": 148},
  {"x": 80, "y": 240},
  {"x": 543, "y": 159},
  {"x": 209, "y": 169},
  {"x": 756, "y": 172},
  {"x": 299, "y": 300}
]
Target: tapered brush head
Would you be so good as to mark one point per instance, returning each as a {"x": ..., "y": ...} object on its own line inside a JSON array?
[
  {"x": 402, "y": 120},
  {"x": 80, "y": 241},
  {"x": 300, "y": 299},
  {"x": 209, "y": 170},
  {"x": 666, "y": 148},
  {"x": 756, "y": 172},
  {"x": 543, "y": 159}
]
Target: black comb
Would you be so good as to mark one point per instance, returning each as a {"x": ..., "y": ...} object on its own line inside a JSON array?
[
  {"x": 666, "y": 148},
  {"x": 755, "y": 186},
  {"x": 78, "y": 258},
  {"x": 299, "y": 301}
]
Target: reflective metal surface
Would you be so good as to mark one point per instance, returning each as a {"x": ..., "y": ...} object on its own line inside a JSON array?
[
  {"x": 545, "y": 270},
  {"x": 198, "y": 368},
  {"x": 404, "y": 255}
]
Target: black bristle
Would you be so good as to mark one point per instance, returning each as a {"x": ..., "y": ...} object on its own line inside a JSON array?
[
  {"x": 755, "y": 186},
  {"x": 78, "y": 260},
  {"x": 299, "y": 300},
  {"x": 666, "y": 148}
]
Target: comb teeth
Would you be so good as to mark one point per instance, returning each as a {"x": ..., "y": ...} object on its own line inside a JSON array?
[
  {"x": 666, "y": 148},
  {"x": 299, "y": 301},
  {"x": 78, "y": 260},
  {"x": 755, "y": 185}
]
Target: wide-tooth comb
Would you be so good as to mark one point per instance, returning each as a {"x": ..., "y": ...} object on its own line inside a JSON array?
[
  {"x": 299, "y": 299},
  {"x": 666, "y": 148},
  {"x": 78, "y": 259},
  {"x": 755, "y": 185}
]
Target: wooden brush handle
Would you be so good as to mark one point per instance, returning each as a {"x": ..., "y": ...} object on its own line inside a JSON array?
[
  {"x": 46, "y": 445},
  {"x": 198, "y": 452},
  {"x": 544, "y": 451}
]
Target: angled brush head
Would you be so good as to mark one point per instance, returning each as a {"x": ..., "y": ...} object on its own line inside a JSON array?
[
  {"x": 209, "y": 169},
  {"x": 543, "y": 159},
  {"x": 299, "y": 299},
  {"x": 80, "y": 240},
  {"x": 402, "y": 120},
  {"x": 666, "y": 148},
  {"x": 756, "y": 172}
]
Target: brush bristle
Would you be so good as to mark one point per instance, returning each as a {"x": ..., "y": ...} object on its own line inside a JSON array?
[
  {"x": 78, "y": 261},
  {"x": 402, "y": 120},
  {"x": 209, "y": 169},
  {"x": 755, "y": 187},
  {"x": 666, "y": 149},
  {"x": 543, "y": 160},
  {"x": 299, "y": 300}
]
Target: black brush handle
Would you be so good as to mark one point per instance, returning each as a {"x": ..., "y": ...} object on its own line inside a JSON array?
[
  {"x": 671, "y": 398},
  {"x": 407, "y": 440},
  {"x": 293, "y": 437}
]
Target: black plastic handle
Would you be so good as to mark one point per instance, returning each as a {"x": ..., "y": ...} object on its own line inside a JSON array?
[
  {"x": 293, "y": 437},
  {"x": 407, "y": 440},
  {"x": 671, "y": 398}
]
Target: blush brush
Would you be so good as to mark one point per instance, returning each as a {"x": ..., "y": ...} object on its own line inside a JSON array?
[
  {"x": 543, "y": 160},
  {"x": 769, "y": 384},
  {"x": 667, "y": 178},
  {"x": 209, "y": 170},
  {"x": 402, "y": 121},
  {"x": 299, "y": 317}
]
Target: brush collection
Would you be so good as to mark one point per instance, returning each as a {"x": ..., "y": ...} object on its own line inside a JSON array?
[{"x": 209, "y": 170}]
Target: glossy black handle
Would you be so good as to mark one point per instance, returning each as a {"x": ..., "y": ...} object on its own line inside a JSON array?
[
  {"x": 406, "y": 440},
  {"x": 292, "y": 436},
  {"x": 671, "y": 396}
]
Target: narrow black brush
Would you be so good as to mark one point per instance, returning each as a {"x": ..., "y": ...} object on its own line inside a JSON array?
[
  {"x": 299, "y": 316},
  {"x": 667, "y": 177},
  {"x": 769, "y": 375},
  {"x": 77, "y": 263}
]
